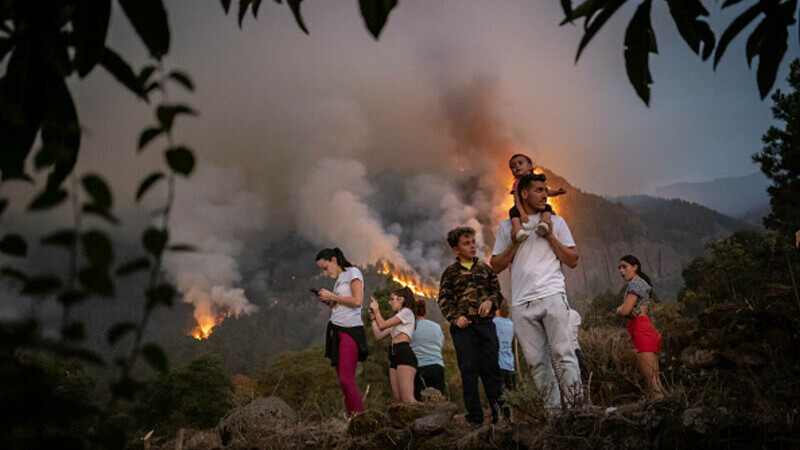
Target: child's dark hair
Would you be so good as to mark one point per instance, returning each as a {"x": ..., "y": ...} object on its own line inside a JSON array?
[
  {"x": 528, "y": 158},
  {"x": 634, "y": 261},
  {"x": 526, "y": 181},
  {"x": 420, "y": 308},
  {"x": 329, "y": 253},
  {"x": 408, "y": 297},
  {"x": 454, "y": 235},
  {"x": 504, "y": 308}
]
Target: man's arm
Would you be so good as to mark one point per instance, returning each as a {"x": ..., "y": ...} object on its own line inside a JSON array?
[
  {"x": 501, "y": 261},
  {"x": 445, "y": 298},
  {"x": 567, "y": 255}
]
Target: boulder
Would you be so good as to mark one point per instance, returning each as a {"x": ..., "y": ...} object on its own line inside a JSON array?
[
  {"x": 696, "y": 357},
  {"x": 263, "y": 411},
  {"x": 702, "y": 420},
  {"x": 747, "y": 354},
  {"x": 402, "y": 415},
  {"x": 367, "y": 422}
]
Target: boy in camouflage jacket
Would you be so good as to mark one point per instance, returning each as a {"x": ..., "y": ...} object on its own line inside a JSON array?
[{"x": 469, "y": 294}]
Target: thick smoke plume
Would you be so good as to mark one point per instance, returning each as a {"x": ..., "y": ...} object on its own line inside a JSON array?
[{"x": 213, "y": 213}]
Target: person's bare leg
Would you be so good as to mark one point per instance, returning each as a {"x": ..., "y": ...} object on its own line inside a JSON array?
[
  {"x": 405, "y": 383},
  {"x": 648, "y": 367},
  {"x": 393, "y": 379}
]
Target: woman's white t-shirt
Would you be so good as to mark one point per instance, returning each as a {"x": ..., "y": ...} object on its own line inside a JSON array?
[
  {"x": 345, "y": 316},
  {"x": 406, "y": 324}
]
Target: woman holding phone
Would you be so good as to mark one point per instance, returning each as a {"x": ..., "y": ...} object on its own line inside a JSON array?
[{"x": 345, "y": 339}]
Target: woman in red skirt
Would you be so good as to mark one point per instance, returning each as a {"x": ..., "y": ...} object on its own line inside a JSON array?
[{"x": 644, "y": 336}]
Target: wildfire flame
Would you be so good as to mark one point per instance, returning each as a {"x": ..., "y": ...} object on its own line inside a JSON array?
[
  {"x": 206, "y": 323},
  {"x": 409, "y": 279}
]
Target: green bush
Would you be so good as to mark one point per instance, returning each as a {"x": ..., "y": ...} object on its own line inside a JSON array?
[{"x": 197, "y": 394}]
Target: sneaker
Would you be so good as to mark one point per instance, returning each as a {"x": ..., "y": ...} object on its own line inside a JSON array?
[
  {"x": 522, "y": 235},
  {"x": 542, "y": 229}
]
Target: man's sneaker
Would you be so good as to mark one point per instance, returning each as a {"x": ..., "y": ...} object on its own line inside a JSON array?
[
  {"x": 522, "y": 235},
  {"x": 542, "y": 229}
]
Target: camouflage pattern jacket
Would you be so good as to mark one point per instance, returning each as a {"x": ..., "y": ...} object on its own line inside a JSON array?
[{"x": 462, "y": 290}]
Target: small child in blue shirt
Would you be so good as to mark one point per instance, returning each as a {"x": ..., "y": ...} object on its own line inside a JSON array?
[{"x": 505, "y": 336}]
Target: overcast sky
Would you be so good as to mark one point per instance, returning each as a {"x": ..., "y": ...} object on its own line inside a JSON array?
[{"x": 259, "y": 89}]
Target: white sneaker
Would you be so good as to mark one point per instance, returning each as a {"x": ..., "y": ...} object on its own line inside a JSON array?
[
  {"x": 522, "y": 235},
  {"x": 542, "y": 229}
]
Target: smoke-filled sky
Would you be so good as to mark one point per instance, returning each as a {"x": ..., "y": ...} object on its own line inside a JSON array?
[{"x": 410, "y": 135}]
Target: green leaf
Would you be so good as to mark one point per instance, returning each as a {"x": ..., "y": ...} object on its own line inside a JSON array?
[
  {"x": 41, "y": 285},
  {"x": 97, "y": 188},
  {"x": 166, "y": 114},
  {"x": 243, "y": 5},
  {"x": 638, "y": 44},
  {"x": 72, "y": 297},
  {"x": 11, "y": 272},
  {"x": 154, "y": 241},
  {"x": 148, "y": 135},
  {"x": 566, "y": 7},
  {"x": 160, "y": 295},
  {"x": 295, "y": 7},
  {"x": 126, "y": 388},
  {"x": 182, "y": 248},
  {"x": 155, "y": 357},
  {"x": 180, "y": 160},
  {"x": 770, "y": 55},
  {"x": 75, "y": 331},
  {"x": 98, "y": 249},
  {"x": 730, "y": 3},
  {"x": 149, "y": 19},
  {"x": 89, "y": 28},
  {"x": 183, "y": 79},
  {"x": 147, "y": 183},
  {"x": 97, "y": 280},
  {"x": 734, "y": 29},
  {"x": 226, "y": 5},
  {"x": 593, "y": 26},
  {"x": 145, "y": 74},
  {"x": 118, "y": 331},
  {"x": 122, "y": 71},
  {"x": 60, "y": 238},
  {"x": 693, "y": 31},
  {"x": 14, "y": 245},
  {"x": 3, "y": 205},
  {"x": 375, "y": 14},
  {"x": 256, "y": 5},
  {"x": 48, "y": 199},
  {"x": 133, "y": 266}
]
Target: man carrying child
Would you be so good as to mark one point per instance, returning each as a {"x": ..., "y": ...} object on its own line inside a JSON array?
[{"x": 469, "y": 294}]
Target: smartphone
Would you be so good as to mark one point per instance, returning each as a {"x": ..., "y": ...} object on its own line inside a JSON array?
[{"x": 314, "y": 291}]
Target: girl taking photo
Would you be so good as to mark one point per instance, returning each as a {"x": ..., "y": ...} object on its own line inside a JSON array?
[
  {"x": 645, "y": 338},
  {"x": 345, "y": 339},
  {"x": 402, "y": 360}
]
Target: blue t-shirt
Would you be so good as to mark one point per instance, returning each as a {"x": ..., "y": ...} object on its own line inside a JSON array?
[
  {"x": 427, "y": 343},
  {"x": 505, "y": 334}
]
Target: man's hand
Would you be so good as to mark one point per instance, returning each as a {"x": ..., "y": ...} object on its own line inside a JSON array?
[
  {"x": 485, "y": 308},
  {"x": 463, "y": 322}
]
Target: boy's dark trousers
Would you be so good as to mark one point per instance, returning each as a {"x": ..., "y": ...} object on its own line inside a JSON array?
[{"x": 477, "y": 352}]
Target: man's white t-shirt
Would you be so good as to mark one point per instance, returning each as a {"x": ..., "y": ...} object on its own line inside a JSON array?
[
  {"x": 536, "y": 270},
  {"x": 341, "y": 315}
]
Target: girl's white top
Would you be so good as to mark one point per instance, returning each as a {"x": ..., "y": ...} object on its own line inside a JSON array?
[
  {"x": 345, "y": 316},
  {"x": 406, "y": 324}
]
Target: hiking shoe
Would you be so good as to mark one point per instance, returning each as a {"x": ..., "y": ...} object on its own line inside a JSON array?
[
  {"x": 542, "y": 229},
  {"x": 522, "y": 235}
]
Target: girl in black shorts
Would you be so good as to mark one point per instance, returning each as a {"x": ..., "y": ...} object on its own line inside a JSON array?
[{"x": 402, "y": 360}]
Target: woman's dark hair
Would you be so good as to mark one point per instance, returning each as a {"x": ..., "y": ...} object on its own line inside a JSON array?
[
  {"x": 634, "y": 261},
  {"x": 408, "y": 297},
  {"x": 420, "y": 308},
  {"x": 329, "y": 253}
]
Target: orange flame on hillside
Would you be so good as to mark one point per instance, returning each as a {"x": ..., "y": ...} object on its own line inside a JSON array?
[
  {"x": 206, "y": 323},
  {"x": 410, "y": 280}
]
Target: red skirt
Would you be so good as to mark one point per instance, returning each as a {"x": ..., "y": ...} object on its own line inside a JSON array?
[{"x": 643, "y": 334}]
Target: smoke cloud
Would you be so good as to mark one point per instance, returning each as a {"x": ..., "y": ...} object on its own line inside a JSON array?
[{"x": 213, "y": 213}]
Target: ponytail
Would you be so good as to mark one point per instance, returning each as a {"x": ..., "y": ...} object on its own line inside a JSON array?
[
  {"x": 329, "y": 253},
  {"x": 634, "y": 261}
]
